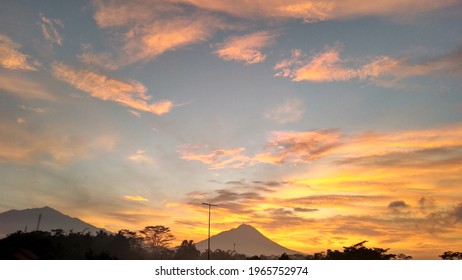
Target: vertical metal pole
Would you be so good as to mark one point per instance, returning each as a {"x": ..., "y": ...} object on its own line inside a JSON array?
[
  {"x": 208, "y": 250},
  {"x": 208, "y": 240}
]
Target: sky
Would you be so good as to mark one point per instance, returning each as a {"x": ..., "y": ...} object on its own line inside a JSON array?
[{"x": 321, "y": 123}]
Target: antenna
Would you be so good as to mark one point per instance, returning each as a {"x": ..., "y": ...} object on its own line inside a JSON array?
[
  {"x": 208, "y": 241},
  {"x": 38, "y": 222}
]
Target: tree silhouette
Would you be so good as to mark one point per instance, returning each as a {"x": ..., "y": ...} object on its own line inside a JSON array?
[
  {"x": 284, "y": 256},
  {"x": 449, "y": 255},
  {"x": 152, "y": 243},
  {"x": 187, "y": 251},
  {"x": 359, "y": 252},
  {"x": 134, "y": 241},
  {"x": 157, "y": 238}
]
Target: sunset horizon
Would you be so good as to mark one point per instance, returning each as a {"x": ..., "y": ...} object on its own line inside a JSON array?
[{"x": 321, "y": 123}]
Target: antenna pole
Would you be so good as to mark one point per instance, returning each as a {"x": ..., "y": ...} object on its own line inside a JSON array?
[{"x": 208, "y": 241}]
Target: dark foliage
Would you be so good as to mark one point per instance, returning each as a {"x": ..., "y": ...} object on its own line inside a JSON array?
[
  {"x": 187, "y": 251},
  {"x": 157, "y": 238},
  {"x": 219, "y": 254},
  {"x": 151, "y": 243},
  {"x": 56, "y": 245},
  {"x": 358, "y": 252},
  {"x": 449, "y": 255}
]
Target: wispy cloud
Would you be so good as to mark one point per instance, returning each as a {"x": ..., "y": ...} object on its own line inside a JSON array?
[
  {"x": 289, "y": 111},
  {"x": 377, "y": 144},
  {"x": 328, "y": 66},
  {"x": 297, "y": 147},
  {"x": 322, "y": 67},
  {"x": 404, "y": 148},
  {"x": 309, "y": 10},
  {"x": 216, "y": 159},
  {"x": 128, "y": 93},
  {"x": 32, "y": 108},
  {"x": 135, "y": 113},
  {"x": 282, "y": 147},
  {"x": 20, "y": 121},
  {"x": 145, "y": 33},
  {"x": 314, "y": 10},
  {"x": 151, "y": 32},
  {"x": 135, "y": 198},
  {"x": 49, "y": 30},
  {"x": 141, "y": 157},
  {"x": 104, "y": 60},
  {"x": 246, "y": 48},
  {"x": 24, "y": 87},
  {"x": 12, "y": 58},
  {"x": 19, "y": 145}
]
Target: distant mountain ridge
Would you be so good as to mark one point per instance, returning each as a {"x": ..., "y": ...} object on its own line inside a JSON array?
[
  {"x": 14, "y": 220},
  {"x": 245, "y": 239}
]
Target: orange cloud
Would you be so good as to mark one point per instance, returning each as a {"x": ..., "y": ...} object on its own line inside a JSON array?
[
  {"x": 319, "y": 10},
  {"x": 404, "y": 141},
  {"x": 161, "y": 107},
  {"x": 283, "y": 147},
  {"x": 141, "y": 157},
  {"x": 128, "y": 93},
  {"x": 152, "y": 32},
  {"x": 394, "y": 9},
  {"x": 303, "y": 147},
  {"x": 146, "y": 33},
  {"x": 216, "y": 159},
  {"x": 295, "y": 147},
  {"x": 328, "y": 66},
  {"x": 12, "y": 58},
  {"x": 245, "y": 48},
  {"x": 135, "y": 198},
  {"x": 295, "y": 9}
]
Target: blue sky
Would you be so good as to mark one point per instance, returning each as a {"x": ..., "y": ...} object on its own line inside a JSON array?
[{"x": 323, "y": 118}]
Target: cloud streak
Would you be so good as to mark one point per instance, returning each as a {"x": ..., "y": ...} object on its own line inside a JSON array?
[
  {"x": 369, "y": 148},
  {"x": 104, "y": 60},
  {"x": 135, "y": 198},
  {"x": 149, "y": 33},
  {"x": 50, "y": 32},
  {"x": 127, "y": 93},
  {"x": 328, "y": 66},
  {"x": 289, "y": 111},
  {"x": 19, "y": 145},
  {"x": 24, "y": 87},
  {"x": 297, "y": 147},
  {"x": 141, "y": 157},
  {"x": 320, "y": 10},
  {"x": 11, "y": 58},
  {"x": 246, "y": 48},
  {"x": 217, "y": 159}
]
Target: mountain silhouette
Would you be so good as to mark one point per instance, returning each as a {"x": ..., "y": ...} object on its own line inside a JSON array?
[
  {"x": 14, "y": 220},
  {"x": 244, "y": 239}
]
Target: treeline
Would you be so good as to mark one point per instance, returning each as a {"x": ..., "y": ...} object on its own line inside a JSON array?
[{"x": 154, "y": 243}]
